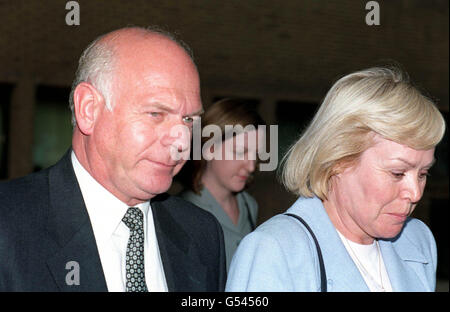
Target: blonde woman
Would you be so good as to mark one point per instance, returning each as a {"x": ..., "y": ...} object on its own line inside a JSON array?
[{"x": 359, "y": 170}]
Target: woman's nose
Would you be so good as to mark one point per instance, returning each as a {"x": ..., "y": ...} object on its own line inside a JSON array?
[
  {"x": 251, "y": 165},
  {"x": 414, "y": 189}
]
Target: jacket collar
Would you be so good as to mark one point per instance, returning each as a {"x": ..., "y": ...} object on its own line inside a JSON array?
[
  {"x": 69, "y": 226},
  {"x": 402, "y": 255},
  {"x": 341, "y": 271},
  {"x": 182, "y": 266}
]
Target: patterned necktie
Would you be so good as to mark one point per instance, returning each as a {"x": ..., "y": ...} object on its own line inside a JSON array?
[{"x": 135, "y": 251}]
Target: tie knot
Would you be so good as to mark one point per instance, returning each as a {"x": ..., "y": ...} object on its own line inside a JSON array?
[{"x": 133, "y": 218}]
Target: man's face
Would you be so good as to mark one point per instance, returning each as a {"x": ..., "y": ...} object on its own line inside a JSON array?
[{"x": 151, "y": 95}]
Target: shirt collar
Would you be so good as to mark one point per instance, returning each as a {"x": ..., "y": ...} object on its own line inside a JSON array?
[{"x": 105, "y": 210}]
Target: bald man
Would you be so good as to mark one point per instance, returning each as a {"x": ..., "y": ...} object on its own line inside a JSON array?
[{"x": 99, "y": 220}]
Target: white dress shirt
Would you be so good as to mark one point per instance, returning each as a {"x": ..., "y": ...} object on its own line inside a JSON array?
[{"x": 111, "y": 234}]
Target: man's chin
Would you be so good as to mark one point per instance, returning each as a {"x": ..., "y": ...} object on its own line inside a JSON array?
[{"x": 155, "y": 188}]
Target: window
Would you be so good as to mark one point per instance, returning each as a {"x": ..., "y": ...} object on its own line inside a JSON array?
[
  {"x": 5, "y": 99},
  {"x": 292, "y": 117},
  {"x": 52, "y": 126}
]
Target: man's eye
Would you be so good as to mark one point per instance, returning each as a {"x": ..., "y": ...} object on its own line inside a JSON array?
[
  {"x": 398, "y": 174},
  {"x": 188, "y": 119},
  {"x": 155, "y": 114}
]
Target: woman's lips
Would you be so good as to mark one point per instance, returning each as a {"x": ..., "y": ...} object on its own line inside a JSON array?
[{"x": 400, "y": 217}]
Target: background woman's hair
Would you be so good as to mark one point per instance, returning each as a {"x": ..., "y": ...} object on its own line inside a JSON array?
[
  {"x": 227, "y": 111},
  {"x": 376, "y": 100}
]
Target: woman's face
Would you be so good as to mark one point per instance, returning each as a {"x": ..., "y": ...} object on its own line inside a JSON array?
[
  {"x": 232, "y": 171},
  {"x": 373, "y": 198}
]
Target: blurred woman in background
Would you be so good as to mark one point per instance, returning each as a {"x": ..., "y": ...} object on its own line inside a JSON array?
[{"x": 217, "y": 185}]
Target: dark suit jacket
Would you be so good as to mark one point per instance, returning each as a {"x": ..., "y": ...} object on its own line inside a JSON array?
[{"x": 44, "y": 225}]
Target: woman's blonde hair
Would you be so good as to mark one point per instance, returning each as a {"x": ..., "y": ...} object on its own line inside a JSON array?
[{"x": 375, "y": 100}]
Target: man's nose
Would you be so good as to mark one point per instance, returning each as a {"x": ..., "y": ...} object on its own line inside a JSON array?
[{"x": 178, "y": 136}]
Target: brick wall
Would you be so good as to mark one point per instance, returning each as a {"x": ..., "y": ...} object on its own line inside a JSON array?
[{"x": 265, "y": 48}]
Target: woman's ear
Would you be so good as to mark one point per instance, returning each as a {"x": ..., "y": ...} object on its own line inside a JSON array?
[{"x": 87, "y": 104}]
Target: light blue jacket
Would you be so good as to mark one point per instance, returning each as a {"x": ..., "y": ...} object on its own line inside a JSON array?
[{"x": 280, "y": 255}]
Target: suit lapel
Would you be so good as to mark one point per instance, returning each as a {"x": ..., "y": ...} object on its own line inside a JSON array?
[
  {"x": 400, "y": 258},
  {"x": 399, "y": 261},
  {"x": 70, "y": 228},
  {"x": 342, "y": 273},
  {"x": 182, "y": 268}
]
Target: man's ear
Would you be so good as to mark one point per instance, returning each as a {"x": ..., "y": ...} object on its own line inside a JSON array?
[{"x": 87, "y": 104}]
